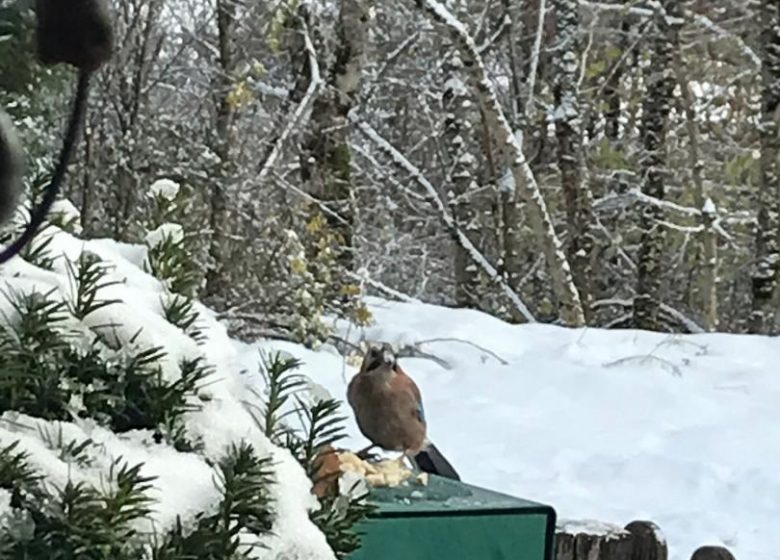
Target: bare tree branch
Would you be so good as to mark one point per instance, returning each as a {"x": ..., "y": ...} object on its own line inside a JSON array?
[
  {"x": 301, "y": 112},
  {"x": 558, "y": 265},
  {"x": 460, "y": 237}
]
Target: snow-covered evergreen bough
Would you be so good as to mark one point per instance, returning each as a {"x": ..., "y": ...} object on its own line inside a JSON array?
[{"x": 128, "y": 430}]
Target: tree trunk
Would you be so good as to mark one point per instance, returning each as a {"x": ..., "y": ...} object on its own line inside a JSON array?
[
  {"x": 762, "y": 320},
  {"x": 218, "y": 202},
  {"x": 87, "y": 184},
  {"x": 143, "y": 39},
  {"x": 511, "y": 260},
  {"x": 568, "y": 126},
  {"x": 460, "y": 184},
  {"x": 326, "y": 159},
  {"x": 612, "y": 110},
  {"x": 709, "y": 241},
  {"x": 658, "y": 96}
]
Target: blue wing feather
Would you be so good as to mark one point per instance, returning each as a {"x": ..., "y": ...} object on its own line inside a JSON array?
[{"x": 420, "y": 413}]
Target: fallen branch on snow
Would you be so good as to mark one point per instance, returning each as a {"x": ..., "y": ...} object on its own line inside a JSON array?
[
  {"x": 363, "y": 277},
  {"x": 692, "y": 326},
  {"x": 405, "y": 351},
  {"x": 477, "y": 346}
]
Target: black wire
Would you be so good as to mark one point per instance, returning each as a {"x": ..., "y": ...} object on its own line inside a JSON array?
[{"x": 38, "y": 214}]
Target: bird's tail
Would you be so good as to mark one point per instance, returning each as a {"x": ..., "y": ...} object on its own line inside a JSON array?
[{"x": 431, "y": 460}]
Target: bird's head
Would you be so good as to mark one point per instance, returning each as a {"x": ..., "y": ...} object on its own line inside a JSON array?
[{"x": 379, "y": 357}]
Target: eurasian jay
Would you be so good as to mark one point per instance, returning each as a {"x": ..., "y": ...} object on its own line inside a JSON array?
[{"x": 389, "y": 412}]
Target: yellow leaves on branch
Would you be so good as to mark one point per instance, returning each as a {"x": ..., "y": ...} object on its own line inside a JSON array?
[
  {"x": 356, "y": 308},
  {"x": 279, "y": 24},
  {"x": 239, "y": 96},
  {"x": 298, "y": 265},
  {"x": 350, "y": 290},
  {"x": 316, "y": 223},
  {"x": 361, "y": 314}
]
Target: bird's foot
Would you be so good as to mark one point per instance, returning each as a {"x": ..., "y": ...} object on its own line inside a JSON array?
[
  {"x": 367, "y": 455},
  {"x": 402, "y": 460}
]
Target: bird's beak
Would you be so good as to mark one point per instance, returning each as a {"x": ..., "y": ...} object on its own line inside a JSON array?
[
  {"x": 388, "y": 358},
  {"x": 379, "y": 357}
]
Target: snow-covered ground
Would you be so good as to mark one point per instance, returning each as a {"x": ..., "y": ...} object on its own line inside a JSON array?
[{"x": 606, "y": 425}]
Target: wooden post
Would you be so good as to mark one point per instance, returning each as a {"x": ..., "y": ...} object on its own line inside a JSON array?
[
  {"x": 640, "y": 540},
  {"x": 649, "y": 542},
  {"x": 592, "y": 541},
  {"x": 712, "y": 553}
]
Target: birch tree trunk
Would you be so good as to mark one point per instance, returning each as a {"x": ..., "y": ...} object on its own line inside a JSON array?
[
  {"x": 511, "y": 148},
  {"x": 658, "y": 96},
  {"x": 326, "y": 158},
  {"x": 709, "y": 275},
  {"x": 709, "y": 241},
  {"x": 764, "y": 281},
  {"x": 568, "y": 127},
  {"x": 462, "y": 171},
  {"x": 511, "y": 260}
]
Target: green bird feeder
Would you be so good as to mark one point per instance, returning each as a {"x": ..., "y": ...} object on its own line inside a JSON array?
[{"x": 448, "y": 520}]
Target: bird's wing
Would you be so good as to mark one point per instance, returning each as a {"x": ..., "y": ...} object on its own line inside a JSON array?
[
  {"x": 410, "y": 386},
  {"x": 420, "y": 412},
  {"x": 352, "y": 389}
]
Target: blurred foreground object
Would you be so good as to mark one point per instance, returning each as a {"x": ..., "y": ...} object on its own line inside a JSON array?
[
  {"x": 11, "y": 168},
  {"x": 75, "y": 32}
]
